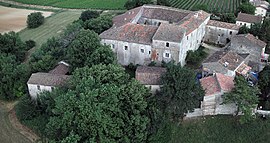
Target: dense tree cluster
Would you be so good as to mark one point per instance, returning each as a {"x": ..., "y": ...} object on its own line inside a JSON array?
[
  {"x": 245, "y": 97},
  {"x": 247, "y": 8},
  {"x": 88, "y": 14},
  {"x": 264, "y": 81},
  {"x": 196, "y": 57},
  {"x": 99, "y": 24},
  {"x": 35, "y": 19},
  {"x": 136, "y": 3}
]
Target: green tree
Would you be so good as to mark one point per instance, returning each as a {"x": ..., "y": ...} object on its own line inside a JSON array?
[
  {"x": 247, "y": 8},
  {"x": 113, "y": 111},
  {"x": 84, "y": 44},
  {"x": 136, "y": 3},
  {"x": 88, "y": 14},
  {"x": 245, "y": 98},
  {"x": 13, "y": 77},
  {"x": 163, "y": 2},
  {"x": 99, "y": 24},
  {"x": 180, "y": 93},
  {"x": 102, "y": 55},
  {"x": 196, "y": 57},
  {"x": 243, "y": 30},
  {"x": 203, "y": 7},
  {"x": 264, "y": 81},
  {"x": 35, "y": 19},
  {"x": 11, "y": 43},
  {"x": 228, "y": 17}
]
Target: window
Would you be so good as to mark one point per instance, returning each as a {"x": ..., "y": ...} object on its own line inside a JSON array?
[
  {"x": 187, "y": 37},
  {"x": 38, "y": 87},
  {"x": 167, "y": 44},
  {"x": 149, "y": 52},
  {"x": 159, "y": 23},
  {"x": 52, "y": 88},
  {"x": 126, "y": 47},
  {"x": 167, "y": 55},
  {"x": 112, "y": 46},
  {"x": 240, "y": 23},
  {"x": 230, "y": 32},
  {"x": 142, "y": 50},
  {"x": 222, "y": 35}
]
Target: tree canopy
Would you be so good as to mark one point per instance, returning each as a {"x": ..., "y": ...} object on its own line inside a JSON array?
[
  {"x": 264, "y": 81},
  {"x": 203, "y": 7},
  {"x": 88, "y": 14},
  {"x": 136, "y": 3},
  {"x": 99, "y": 24},
  {"x": 35, "y": 19},
  {"x": 245, "y": 98},
  {"x": 180, "y": 93},
  {"x": 247, "y": 8}
]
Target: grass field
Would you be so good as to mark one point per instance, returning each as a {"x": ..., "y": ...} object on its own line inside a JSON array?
[
  {"x": 218, "y": 129},
  {"x": 7, "y": 132},
  {"x": 213, "y": 5},
  {"x": 52, "y": 27},
  {"x": 95, "y": 4}
]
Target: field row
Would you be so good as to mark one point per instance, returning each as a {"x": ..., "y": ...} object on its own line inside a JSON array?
[
  {"x": 94, "y": 4},
  {"x": 213, "y": 5}
]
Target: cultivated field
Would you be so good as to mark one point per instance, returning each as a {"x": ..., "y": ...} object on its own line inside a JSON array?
[
  {"x": 52, "y": 27},
  {"x": 213, "y": 5},
  {"x": 13, "y": 19},
  {"x": 95, "y": 4}
]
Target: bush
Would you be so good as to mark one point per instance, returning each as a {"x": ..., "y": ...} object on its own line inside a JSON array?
[
  {"x": 195, "y": 57},
  {"x": 25, "y": 109},
  {"x": 86, "y": 15},
  {"x": 30, "y": 44},
  {"x": 35, "y": 19}
]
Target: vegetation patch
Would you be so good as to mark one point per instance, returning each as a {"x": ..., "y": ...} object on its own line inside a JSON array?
[{"x": 95, "y": 4}]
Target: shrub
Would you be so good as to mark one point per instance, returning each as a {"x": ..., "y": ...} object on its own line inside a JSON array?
[
  {"x": 35, "y": 19},
  {"x": 30, "y": 44},
  {"x": 88, "y": 14},
  {"x": 195, "y": 57}
]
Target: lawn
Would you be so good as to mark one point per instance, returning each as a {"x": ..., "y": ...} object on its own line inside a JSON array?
[
  {"x": 213, "y": 5},
  {"x": 218, "y": 129},
  {"x": 94, "y": 4},
  {"x": 52, "y": 27}
]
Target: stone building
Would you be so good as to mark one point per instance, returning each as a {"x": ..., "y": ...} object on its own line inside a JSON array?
[
  {"x": 261, "y": 7},
  {"x": 225, "y": 62},
  {"x": 220, "y": 33},
  {"x": 247, "y": 44},
  {"x": 150, "y": 76},
  {"x": 247, "y": 20},
  {"x": 155, "y": 33},
  {"x": 39, "y": 82}
]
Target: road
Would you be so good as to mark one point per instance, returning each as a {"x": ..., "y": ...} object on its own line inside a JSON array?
[{"x": 8, "y": 134}]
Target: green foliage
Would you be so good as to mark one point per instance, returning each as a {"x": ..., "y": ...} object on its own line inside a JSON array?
[
  {"x": 247, "y": 8},
  {"x": 99, "y": 24},
  {"x": 88, "y": 14},
  {"x": 264, "y": 80},
  {"x": 30, "y": 44},
  {"x": 196, "y": 57},
  {"x": 11, "y": 43},
  {"x": 13, "y": 77},
  {"x": 136, "y": 3},
  {"x": 25, "y": 108},
  {"x": 228, "y": 17},
  {"x": 35, "y": 19},
  {"x": 84, "y": 44},
  {"x": 163, "y": 2},
  {"x": 243, "y": 30},
  {"x": 96, "y": 108},
  {"x": 245, "y": 98},
  {"x": 203, "y": 7},
  {"x": 180, "y": 93},
  {"x": 102, "y": 55}
]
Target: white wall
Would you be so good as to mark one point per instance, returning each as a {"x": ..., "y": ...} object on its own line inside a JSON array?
[
  {"x": 260, "y": 11},
  {"x": 33, "y": 90},
  {"x": 241, "y": 23},
  {"x": 133, "y": 54}
]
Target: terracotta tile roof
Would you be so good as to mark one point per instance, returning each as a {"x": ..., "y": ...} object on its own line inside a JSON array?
[
  {"x": 210, "y": 85},
  {"x": 193, "y": 20},
  {"x": 60, "y": 69},
  {"x": 149, "y": 75},
  {"x": 126, "y": 17},
  {"x": 243, "y": 69},
  {"x": 217, "y": 84},
  {"x": 168, "y": 32},
  {"x": 48, "y": 79},
  {"x": 243, "y": 38},
  {"x": 164, "y": 13},
  {"x": 135, "y": 33},
  {"x": 223, "y": 25},
  {"x": 225, "y": 82},
  {"x": 248, "y": 18},
  {"x": 229, "y": 60}
]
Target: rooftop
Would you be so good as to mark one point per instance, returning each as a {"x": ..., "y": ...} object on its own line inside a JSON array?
[
  {"x": 61, "y": 68},
  {"x": 244, "y": 38},
  {"x": 48, "y": 79},
  {"x": 248, "y": 18},
  {"x": 167, "y": 32},
  {"x": 223, "y": 25},
  {"x": 149, "y": 75}
]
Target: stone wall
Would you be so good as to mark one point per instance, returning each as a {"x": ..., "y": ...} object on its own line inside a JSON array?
[{"x": 218, "y": 35}]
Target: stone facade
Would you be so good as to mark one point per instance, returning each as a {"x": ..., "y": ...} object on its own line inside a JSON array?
[{"x": 170, "y": 34}]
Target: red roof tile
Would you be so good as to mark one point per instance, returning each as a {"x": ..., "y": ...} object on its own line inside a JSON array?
[
  {"x": 210, "y": 85},
  {"x": 226, "y": 82}
]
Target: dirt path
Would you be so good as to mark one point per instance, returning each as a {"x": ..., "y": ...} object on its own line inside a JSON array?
[{"x": 11, "y": 130}]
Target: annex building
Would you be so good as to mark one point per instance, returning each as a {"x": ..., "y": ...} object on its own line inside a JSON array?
[{"x": 155, "y": 33}]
